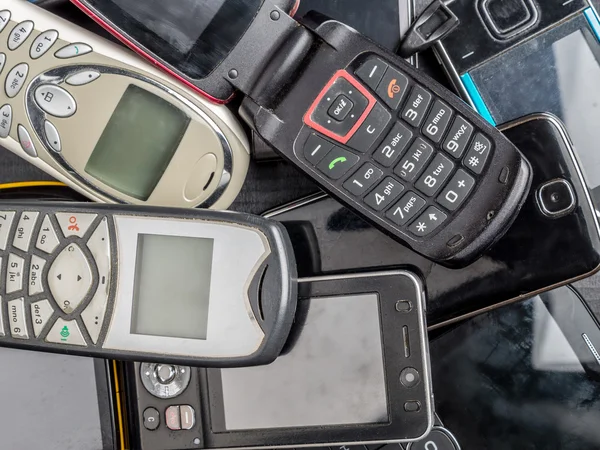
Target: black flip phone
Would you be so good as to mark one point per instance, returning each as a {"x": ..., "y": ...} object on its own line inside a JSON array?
[
  {"x": 524, "y": 376},
  {"x": 554, "y": 240},
  {"x": 509, "y": 58}
]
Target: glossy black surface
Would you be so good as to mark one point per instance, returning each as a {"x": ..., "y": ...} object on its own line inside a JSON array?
[
  {"x": 522, "y": 377},
  {"x": 537, "y": 253}
]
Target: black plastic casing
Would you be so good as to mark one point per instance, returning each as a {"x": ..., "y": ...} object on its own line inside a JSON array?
[
  {"x": 538, "y": 253},
  {"x": 205, "y": 394},
  {"x": 278, "y": 119},
  {"x": 272, "y": 291}
]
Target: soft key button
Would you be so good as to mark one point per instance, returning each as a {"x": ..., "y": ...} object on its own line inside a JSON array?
[
  {"x": 36, "y": 268},
  {"x": 65, "y": 332},
  {"x": 55, "y": 101},
  {"x": 74, "y": 224},
  {"x": 52, "y": 136},
  {"x": 70, "y": 278},
  {"x": 81, "y": 78},
  {"x": 43, "y": 43},
  {"x": 40, "y": 315}
]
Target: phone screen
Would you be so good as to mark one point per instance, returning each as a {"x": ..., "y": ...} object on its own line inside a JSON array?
[
  {"x": 510, "y": 379},
  {"x": 384, "y": 21},
  {"x": 49, "y": 402}
]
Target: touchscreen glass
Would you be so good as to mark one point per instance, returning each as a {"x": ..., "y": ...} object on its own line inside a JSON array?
[
  {"x": 333, "y": 375},
  {"x": 171, "y": 289},
  {"x": 138, "y": 143},
  {"x": 556, "y": 73},
  {"x": 509, "y": 379},
  {"x": 193, "y": 36}
]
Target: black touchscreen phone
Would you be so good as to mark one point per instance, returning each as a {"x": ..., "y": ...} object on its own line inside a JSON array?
[
  {"x": 525, "y": 376},
  {"x": 542, "y": 250}
]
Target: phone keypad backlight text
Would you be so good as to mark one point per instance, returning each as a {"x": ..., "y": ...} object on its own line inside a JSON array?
[{"x": 425, "y": 167}]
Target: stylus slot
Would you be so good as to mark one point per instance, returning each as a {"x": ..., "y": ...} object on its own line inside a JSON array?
[{"x": 406, "y": 339}]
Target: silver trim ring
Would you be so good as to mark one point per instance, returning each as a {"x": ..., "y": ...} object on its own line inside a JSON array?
[{"x": 57, "y": 76}]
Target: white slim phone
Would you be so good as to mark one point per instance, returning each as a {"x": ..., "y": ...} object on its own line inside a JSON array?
[{"x": 109, "y": 124}]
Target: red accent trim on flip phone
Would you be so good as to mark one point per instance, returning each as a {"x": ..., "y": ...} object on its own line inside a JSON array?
[
  {"x": 341, "y": 139},
  {"x": 142, "y": 53}
]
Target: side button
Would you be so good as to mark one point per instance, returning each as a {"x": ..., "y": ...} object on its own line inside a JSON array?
[{"x": 370, "y": 130}]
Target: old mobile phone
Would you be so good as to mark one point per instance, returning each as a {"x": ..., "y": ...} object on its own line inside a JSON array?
[
  {"x": 355, "y": 371},
  {"x": 110, "y": 125},
  {"x": 494, "y": 59},
  {"x": 70, "y": 401},
  {"x": 523, "y": 376},
  {"x": 551, "y": 242},
  {"x": 92, "y": 280}
]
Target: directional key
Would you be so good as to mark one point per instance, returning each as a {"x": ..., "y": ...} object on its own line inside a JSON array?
[{"x": 70, "y": 278}]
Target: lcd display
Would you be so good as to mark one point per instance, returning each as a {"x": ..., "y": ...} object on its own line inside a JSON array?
[
  {"x": 332, "y": 375},
  {"x": 553, "y": 75},
  {"x": 171, "y": 292},
  {"x": 193, "y": 36},
  {"x": 509, "y": 379},
  {"x": 138, "y": 143}
]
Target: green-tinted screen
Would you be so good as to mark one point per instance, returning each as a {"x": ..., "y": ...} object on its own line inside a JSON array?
[{"x": 138, "y": 143}]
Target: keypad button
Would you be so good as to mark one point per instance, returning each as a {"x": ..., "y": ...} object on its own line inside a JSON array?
[
  {"x": 14, "y": 273},
  {"x": 437, "y": 121},
  {"x": 428, "y": 222},
  {"x": 26, "y": 141},
  {"x": 371, "y": 72},
  {"x": 337, "y": 163},
  {"x": 478, "y": 153},
  {"x": 15, "y": 80},
  {"x": 6, "y": 220},
  {"x": 384, "y": 194},
  {"x": 392, "y": 88},
  {"x": 82, "y": 78},
  {"x": 2, "y": 61},
  {"x": 414, "y": 160},
  {"x": 436, "y": 174},
  {"x": 41, "y": 312},
  {"x": 363, "y": 179},
  {"x": 172, "y": 418},
  {"x": 393, "y": 145},
  {"x": 55, "y": 101},
  {"x": 16, "y": 319},
  {"x": 4, "y": 18},
  {"x": 74, "y": 224},
  {"x": 340, "y": 108},
  {"x": 457, "y": 190},
  {"x": 316, "y": 148},
  {"x": 188, "y": 417},
  {"x": 408, "y": 207},
  {"x": 435, "y": 440},
  {"x": 43, "y": 43},
  {"x": 416, "y": 106},
  {"x": 70, "y": 278},
  {"x": 73, "y": 50},
  {"x": 5, "y": 121},
  {"x": 52, "y": 136},
  {"x": 320, "y": 114},
  {"x": 458, "y": 137},
  {"x": 412, "y": 406},
  {"x": 151, "y": 419},
  {"x": 47, "y": 241},
  {"x": 36, "y": 269},
  {"x": 370, "y": 130},
  {"x": 65, "y": 332},
  {"x": 25, "y": 230},
  {"x": 19, "y": 34}
]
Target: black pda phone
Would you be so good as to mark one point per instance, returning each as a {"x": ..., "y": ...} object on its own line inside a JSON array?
[
  {"x": 93, "y": 280},
  {"x": 554, "y": 240},
  {"x": 355, "y": 371},
  {"x": 524, "y": 376},
  {"x": 509, "y": 58}
]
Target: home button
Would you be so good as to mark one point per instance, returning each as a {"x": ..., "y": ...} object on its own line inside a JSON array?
[{"x": 507, "y": 18}]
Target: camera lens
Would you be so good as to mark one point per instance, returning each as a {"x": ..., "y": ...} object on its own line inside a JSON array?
[
  {"x": 410, "y": 377},
  {"x": 556, "y": 198}
]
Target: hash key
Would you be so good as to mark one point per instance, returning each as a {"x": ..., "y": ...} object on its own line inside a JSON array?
[
  {"x": 478, "y": 153},
  {"x": 384, "y": 194},
  {"x": 363, "y": 179}
]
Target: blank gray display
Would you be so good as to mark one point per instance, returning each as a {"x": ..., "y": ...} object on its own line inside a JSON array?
[{"x": 333, "y": 375}]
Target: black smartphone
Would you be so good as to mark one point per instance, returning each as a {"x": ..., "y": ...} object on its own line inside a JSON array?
[
  {"x": 57, "y": 402},
  {"x": 512, "y": 58},
  {"x": 524, "y": 376},
  {"x": 550, "y": 243}
]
